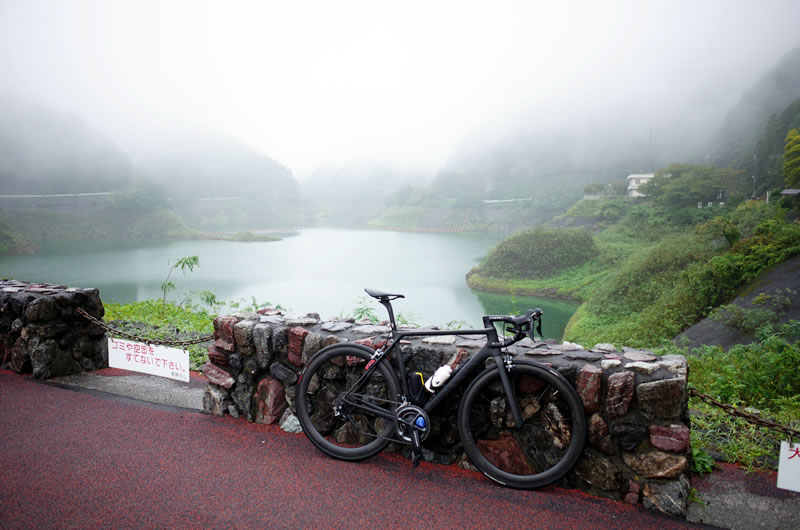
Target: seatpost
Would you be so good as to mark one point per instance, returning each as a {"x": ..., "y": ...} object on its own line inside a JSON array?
[{"x": 388, "y": 305}]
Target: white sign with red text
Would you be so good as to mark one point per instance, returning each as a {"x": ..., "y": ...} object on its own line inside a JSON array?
[
  {"x": 149, "y": 359},
  {"x": 789, "y": 467}
]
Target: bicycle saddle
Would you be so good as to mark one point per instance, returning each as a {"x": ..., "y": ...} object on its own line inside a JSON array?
[{"x": 380, "y": 295}]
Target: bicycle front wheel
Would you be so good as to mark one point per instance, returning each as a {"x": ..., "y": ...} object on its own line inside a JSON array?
[
  {"x": 345, "y": 415},
  {"x": 544, "y": 448}
]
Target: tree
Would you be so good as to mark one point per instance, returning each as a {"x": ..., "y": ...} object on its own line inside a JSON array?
[
  {"x": 685, "y": 185},
  {"x": 189, "y": 262},
  {"x": 791, "y": 159}
]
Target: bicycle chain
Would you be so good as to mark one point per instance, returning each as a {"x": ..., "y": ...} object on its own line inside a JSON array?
[
  {"x": 146, "y": 340},
  {"x": 749, "y": 417}
]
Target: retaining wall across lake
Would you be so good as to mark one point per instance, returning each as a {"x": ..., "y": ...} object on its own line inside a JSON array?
[{"x": 636, "y": 403}]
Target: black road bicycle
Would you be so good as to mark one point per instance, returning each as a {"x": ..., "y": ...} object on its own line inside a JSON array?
[{"x": 521, "y": 423}]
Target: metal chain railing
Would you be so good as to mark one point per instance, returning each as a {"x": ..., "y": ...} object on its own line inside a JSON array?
[
  {"x": 747, "y": 416},
  {"x": 146, "y": 340}
]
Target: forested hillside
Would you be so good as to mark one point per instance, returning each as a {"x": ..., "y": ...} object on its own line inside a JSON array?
[
  {"x": 46, "y": 152},
  {"x": 195, "y": 181},
  {"x": 752, "y": 136}
]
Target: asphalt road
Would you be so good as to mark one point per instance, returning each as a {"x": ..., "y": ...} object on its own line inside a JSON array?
[{"x": 87, "y": 459}]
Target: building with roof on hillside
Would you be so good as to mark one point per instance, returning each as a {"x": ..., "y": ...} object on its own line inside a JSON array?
[{"x": 635, "y": 180}]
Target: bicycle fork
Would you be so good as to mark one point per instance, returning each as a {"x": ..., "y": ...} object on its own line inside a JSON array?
[{"x": 504, "y": 365}]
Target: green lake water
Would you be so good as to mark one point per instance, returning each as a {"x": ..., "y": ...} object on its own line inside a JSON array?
[{"x": 317, "y": 270}]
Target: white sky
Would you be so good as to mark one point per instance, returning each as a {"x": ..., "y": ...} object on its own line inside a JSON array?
[{"x": 309, "y": 83}]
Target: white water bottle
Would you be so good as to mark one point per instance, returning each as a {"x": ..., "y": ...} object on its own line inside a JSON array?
[{"x": 438, "y": 378}]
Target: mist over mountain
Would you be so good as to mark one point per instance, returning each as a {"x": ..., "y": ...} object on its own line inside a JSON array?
[
  {"x": 197, "y": 163},
  {"x": 753, "y": 133},
  {"x": 47, "y": 152},
  {"x": 600, "y": 141}
]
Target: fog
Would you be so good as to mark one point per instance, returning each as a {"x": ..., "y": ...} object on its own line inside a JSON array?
[{"x": 414, "y": 85}]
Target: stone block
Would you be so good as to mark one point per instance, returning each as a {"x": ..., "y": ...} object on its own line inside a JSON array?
[
  {"x": 598, "y": 471},
  {"x": 620, "y": 393},
  {"x": 642, "y": 367},
  {"x": 283, "y": 373},
  {"x": 225, "y": 345},
  {"x": 457, "y": 358},
  {"x": 632, "y": 496},
  {"x": 243, "y": 336},
  {"x": 607, "y": 364},
  {"x": 673, "y": 438},
  {"x": 657, "y": 464},
  {"x": 605, "y": 347},
  {"x": 335, "y": 326},
  {"x": 588, "y": 386},
  {"x": 223, "y": 329},
  {"x": 297, "y": 336},
  {"x": 583, "y": 356},
  {"x": 505, "y": 453},
  {"x": 676, "y": 364},
  {"x": 42, "y": 309},
  {"x": 242, "y": 395},
  {"x": 671, "y": 498},
  {"x": 48, "y": 360},
  {"x": 217, "y": 356},
  {"x": 290, "y": 423},
  {"x": 331, "y": 340},
  {"x": 269, "y": 400},
  {"x": 628, "y": 434},
  {"x": 280, "y": 342},
  {"x": 311, "y": 345},
  {"x": 599, "y": 436},
  {"x": 216, "y": 400},
  {"x": 364, "y": 342},
  {"x": 262, "y": 338},
  {"x": 637, "y": 356},
  {"x": 664, "y": 399},
  {"x": 218, "y": 376}
]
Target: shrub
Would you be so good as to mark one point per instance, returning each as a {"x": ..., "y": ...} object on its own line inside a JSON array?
[
  {"x": 539, "y": 253},
  {"x": 648, "y": 275},
  {"x": 743, "y": 319},
  {"x": 763, "y": 374}
]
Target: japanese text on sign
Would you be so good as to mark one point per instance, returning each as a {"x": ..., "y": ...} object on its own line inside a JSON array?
[
  {"x": 154, "y": 360},
  {"x": 789, "y": 467}
]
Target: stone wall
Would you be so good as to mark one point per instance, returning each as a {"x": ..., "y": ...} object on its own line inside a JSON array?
[
  {"x": 636, "y": 403},
  {"x": 41, "y": 331}
]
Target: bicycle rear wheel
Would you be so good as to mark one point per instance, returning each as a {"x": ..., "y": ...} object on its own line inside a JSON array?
[
  {"x": 550, "y": 440},
  {"x": 337, "y": 409}
]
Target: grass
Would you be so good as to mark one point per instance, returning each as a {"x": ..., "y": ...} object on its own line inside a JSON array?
[
  {"x": 760, "y": 378},
  {"x": 575, "y": 283},
  {"x": 165, "y": 322}
]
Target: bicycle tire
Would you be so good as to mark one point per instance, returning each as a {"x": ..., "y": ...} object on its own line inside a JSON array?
[
  {"x": 548, "y": 444},
  {"x": 355, "y": 434}
]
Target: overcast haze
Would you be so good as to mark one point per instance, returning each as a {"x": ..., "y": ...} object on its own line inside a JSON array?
[{"x": 313, "y": 83}]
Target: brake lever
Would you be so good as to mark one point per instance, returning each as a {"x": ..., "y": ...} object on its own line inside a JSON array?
[{"x": 532, "y": 330}]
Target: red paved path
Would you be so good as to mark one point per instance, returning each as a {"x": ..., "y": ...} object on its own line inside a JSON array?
[{"x": 76, "y": 459}]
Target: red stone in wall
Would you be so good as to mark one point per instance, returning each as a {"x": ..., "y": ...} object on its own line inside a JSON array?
[
  {"x": 296, "y": 338},
  {"x": 620, "y": 393},
  {"x": 670, "y": 437},
  {"x": 588, "y": 386},
  {"x": 506, "y": 454},
  {"x": 216, "y": 356},
  {"x": 218, "y": 376},
  {"x": 269, "y": 400},
  {"x": 223, "y": 328}
]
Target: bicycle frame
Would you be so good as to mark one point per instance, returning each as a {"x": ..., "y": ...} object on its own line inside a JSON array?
[{"x": 459, "y": 375}]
